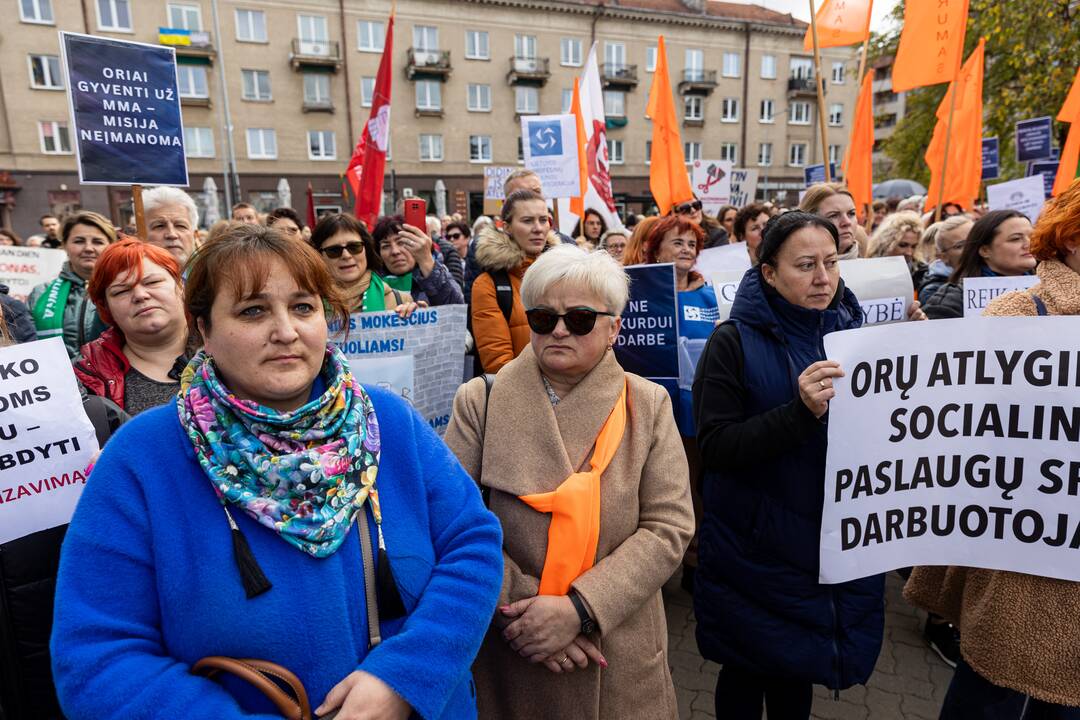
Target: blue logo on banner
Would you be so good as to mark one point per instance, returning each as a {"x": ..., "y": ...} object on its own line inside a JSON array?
[
  {"x": 813, "y": 174},
  {"x": 990, "y": 158},
  {"x": 648, "y": 344},
  {"x": 545, "y": 138},
  {"x": 1033, "y": 139},
  {"x": 126, "y": 106}
]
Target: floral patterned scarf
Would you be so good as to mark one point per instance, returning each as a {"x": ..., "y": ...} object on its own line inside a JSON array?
[{"x": 303, "y": 474}]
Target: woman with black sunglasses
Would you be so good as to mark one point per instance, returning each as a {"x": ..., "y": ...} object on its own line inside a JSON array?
[
  {"x": 349, "y": 252},
  {"x": 580, "y": 629}
]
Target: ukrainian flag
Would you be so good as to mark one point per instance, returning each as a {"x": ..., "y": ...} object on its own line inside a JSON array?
[{"x": 173, "y": 36}]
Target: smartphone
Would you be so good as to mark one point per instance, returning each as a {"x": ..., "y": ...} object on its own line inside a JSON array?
[{"x": 416, "y": 213}]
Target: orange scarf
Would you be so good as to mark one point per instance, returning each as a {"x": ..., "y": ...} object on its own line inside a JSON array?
[{"x": 575, "y": 510}]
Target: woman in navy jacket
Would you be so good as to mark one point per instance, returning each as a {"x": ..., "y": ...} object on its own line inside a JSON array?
[{"x": 761, "y": 397}]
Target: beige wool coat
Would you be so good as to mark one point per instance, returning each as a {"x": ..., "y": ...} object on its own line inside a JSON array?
[{"x": 646, "y": 521}]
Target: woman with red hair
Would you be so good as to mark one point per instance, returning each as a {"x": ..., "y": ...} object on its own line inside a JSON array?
[
  {"x": 677, "y": 240},
  {"x": 1018, "y": 632},
  {"x": 137, "y": 362}
]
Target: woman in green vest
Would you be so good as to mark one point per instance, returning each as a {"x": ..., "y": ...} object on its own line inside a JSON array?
[{"x": 61, "y": 308}]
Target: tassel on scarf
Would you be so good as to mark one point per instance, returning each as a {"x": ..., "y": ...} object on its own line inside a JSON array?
[
  {"x": 391, "y": 606},
  {"x": 251, "y": 575}
]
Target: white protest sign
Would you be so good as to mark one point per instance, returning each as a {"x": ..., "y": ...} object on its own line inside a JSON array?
[
  {"x": 420, "y": 358},
  {"x": 882, "y": 285},
  {"x": 954, "y": 443},
  {"x": 22, "y": 268},
  {"x": 732, "y": 256},
  {"x": 1025, "y": 195},
  {"x": 550, "y": 148},
  {"x": 47, "y": 440},
  {"x": 979, "y": 291},
  {"x": 726, "y": 284},
  {"x": 494, "y": 178},
  {"x": 711, "y": 181},
  {"x": 743, "y": 186}
]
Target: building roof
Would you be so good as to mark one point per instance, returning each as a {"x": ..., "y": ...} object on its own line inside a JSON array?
[{"x": 712, "y": 8}]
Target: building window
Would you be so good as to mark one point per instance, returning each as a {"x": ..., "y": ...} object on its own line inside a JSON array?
[
  {"x": 764, "y": 154},
  {"x": 797, "y": 156},
  {"x": 185, "y": 16},
  {"x": 836, "y": 114},
  {"x": 428, "y": 95},
  {"x": 36, "y": 11},
  {"x": 55, "y": 138},
  {"x": 729, "y": 110},
  {"x": 479, "y": 98},
  {"x": 425, "y": 37},
  {"x": 321, "y": 145},
  {"x": 650, "y": 59},
  {"x": 431, "y": 148},
  {"x": 45, "y": 72},
  {"x": 693, "y": 107},
  {"x": 695, "y": 65},
  {"x": 802, "y": 68},
  {"x": 615, "y": 152},
  {"x": 256, "y": 85},
  {"x": 480, "y": 148},
  {"x": 768, "y": 67},
  {"x": 570, "y": 52},
  {"x": 732, "y": 67},
  {"x": 251, "y": 26},
  {"x": 567, "y": 100},
  {"x": 371, "y": 35},
  {"x": 477, "y": 47},
  {"x": 526, "y": 100},
  {"x": 834, "y": 154},
  {"x": 615, "y": 55},
  {"x": 838, "y": 70},
  {"x": 768, "y": 112},
  {"x": 367, "y": 91},
  {"x": 729, "y": 152},
  {"x": 614, "y": 103},
  {"x": 198, "y": 142},
  {"x": 114, "y": 15},
  {"x": 520, "y": 150},
  {"x": 648, "y": 152},
  {"x": 262, "y": 143},
  {"x": 192, "y": 81},
  {"x": 691, "y": 152},
  {"x": 525, "y": 46},
  {"x": 314, "y": 36},
  {"x": 317, "y": 89},
  {"x": 799, "y": 113}
]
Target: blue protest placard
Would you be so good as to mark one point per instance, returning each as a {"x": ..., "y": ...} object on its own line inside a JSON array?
[
  {"x": 991, "y": 159},
  {"x": 1033, "y": 139},
  {"x": 1048, "y": 170},
  {"x": 813, "y": 174},
  {"x": 648, "y": 344},
  {"x": 125, "y": 111},
  {"x": 549, "y": 146}
]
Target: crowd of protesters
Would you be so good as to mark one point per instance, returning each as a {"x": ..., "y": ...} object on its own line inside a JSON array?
[{"x": 492, "y": 572}]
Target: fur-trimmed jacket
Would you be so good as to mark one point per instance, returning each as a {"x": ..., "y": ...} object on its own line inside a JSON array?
[
  {"x": 1018, "y": 631},
  {"x": 498, "y": 341}
]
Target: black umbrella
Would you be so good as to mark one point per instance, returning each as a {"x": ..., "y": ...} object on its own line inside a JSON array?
[{"x": 898, "y": 188}]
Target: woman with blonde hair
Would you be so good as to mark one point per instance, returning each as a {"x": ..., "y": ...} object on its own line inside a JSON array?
[
  {"x": 834, "y": 202},
  {"x": 944, "y": 242},
  {"x": 898, "y": 236}
]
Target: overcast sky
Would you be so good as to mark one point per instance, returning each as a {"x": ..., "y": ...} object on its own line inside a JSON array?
[{"x": 801, "y": 9}]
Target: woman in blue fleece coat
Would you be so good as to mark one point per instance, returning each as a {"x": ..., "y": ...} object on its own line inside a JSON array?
[{"x": 230, "y": 523}]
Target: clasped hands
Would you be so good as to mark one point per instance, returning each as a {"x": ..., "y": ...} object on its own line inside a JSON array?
[{"x": 546, "y": 629}]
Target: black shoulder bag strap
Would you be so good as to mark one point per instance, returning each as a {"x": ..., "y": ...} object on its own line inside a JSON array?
[
  {"x": 504, "y": 292},
  {"x": 485, "y": 491},
  {"x": 1040, "y": 306}
]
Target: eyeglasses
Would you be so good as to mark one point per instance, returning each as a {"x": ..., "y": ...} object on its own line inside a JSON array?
[
  {"x": 579, "y": 321},
  {"x": 334, "y": 251},
  {"x": 454, "y": 236},
  {"x": 687, "y": 208}
]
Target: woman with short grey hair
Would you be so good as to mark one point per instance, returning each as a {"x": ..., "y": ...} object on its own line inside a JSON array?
[{"x": 564, "y": 430}]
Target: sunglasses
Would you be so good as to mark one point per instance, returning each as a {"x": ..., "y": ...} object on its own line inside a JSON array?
[
  {"x": 454, "y": 236},
  {"x": 334, "y": 251},
  {"x": 579, "y": 321},
  {"x": 688, "y": 207}
]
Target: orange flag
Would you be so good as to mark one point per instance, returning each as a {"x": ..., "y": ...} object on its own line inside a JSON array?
[
  {"x": 1071, "y": 109},
  {"x": 1068, "y": 169},
  {"x": 965, "y": 145},
  {"x": 577, "y": 204},
  {"x": 840, "y": 23},
  {"x": 931, "y": 43},
  {"x": 668, "y": 179},
  {"x": 858, "y": 161}
]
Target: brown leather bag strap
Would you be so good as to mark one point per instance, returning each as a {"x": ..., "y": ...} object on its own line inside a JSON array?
[
  {"x": 259, "y": 674},
  {"x": 367, "y": 552}
]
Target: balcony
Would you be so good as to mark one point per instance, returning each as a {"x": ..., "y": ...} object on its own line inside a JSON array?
[
  {"x": 200, "y": 48},
  {"x": 428, "y": 63},
  {"x": 697, "y": 82},
  {"x": 797, "y": 86},
  {"x": 195, "y": 101},
  {"x": 315, "y": 54},
  {"x": 320, "y": 105},
  {"x": 528, "y": 71},
  {"x": 618, "y": 75}
]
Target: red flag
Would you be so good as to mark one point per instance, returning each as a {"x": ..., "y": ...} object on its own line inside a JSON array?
[
  {"x": 310, "y": 207},
  {"x": 365, "y": 171}
]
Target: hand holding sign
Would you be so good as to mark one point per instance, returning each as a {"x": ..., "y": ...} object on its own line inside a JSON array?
[{"x": 816, "y": 386}]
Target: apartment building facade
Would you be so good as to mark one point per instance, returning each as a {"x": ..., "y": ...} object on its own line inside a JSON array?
[
  {"x": 889, "y": 109},
  {"x": 275, "y": 90}
]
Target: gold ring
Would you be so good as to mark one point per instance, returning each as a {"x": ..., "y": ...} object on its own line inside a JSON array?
[
  {"x": 564, "y": 659},
  {"x": 821, "y": 383}
]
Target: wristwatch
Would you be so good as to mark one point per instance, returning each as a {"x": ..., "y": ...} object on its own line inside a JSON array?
[{"x": 588, "y": 625}]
